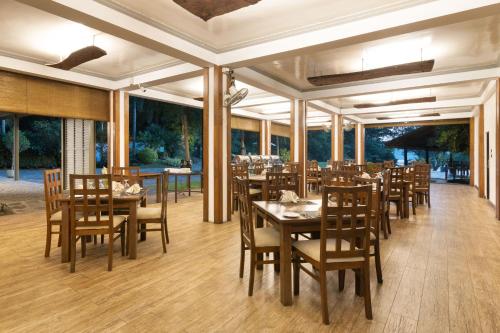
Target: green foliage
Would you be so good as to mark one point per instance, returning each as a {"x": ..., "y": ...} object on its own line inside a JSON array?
[
  {"x": 147, "y": 155},
  {"x": 244, "y": 142},
  {"x": 278, "y": 143},
  {"x": 8, "y": 138},
  {"x": 454, "y": 138},
  {"x": 319, "y": 145},
  {"x": 171, "y": 162},
  {"x": 349, "y": 145},
  {"x": 284, "y": 154}
]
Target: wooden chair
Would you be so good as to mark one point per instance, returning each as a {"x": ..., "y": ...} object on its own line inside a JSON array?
[
  {"x": 423, "y": 182},
  {"x": 409, "y": 176},
  {"x": 326, "y": 176},
  {"x": 258, "y": 167},
  {"x": 377, "y": 212},
  {"x": 52, "y": 181},
  {"x": 360, "y": 168},
  {"x": 156, "y": 215},
  {"x": 313, "y": 176},
  {"x": 342, "y": 178},
  {"x": 344, "y": 243},
  {"x": 386, "y": 205},
  {"x": 257, "y": 241},
  {"x": 90, "y": 196},
  {"x": 279, "y": 181},
  {"x": 292, "y": 167},
  {"x": 374, "y": 168},
  {"x": 130, "y": 174},
  {"x": 277, "y": 168},
  {"x": 237, "y": 170},
  {"x": 388, "y": 164},
  {"x": 396, "y": 188}
]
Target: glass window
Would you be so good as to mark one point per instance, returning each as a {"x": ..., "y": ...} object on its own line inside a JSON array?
[
  {"x": 101, "y": 144},
  {"x": 245, "y": 142},
  {"x": 349, "y": 145},
  {"x": 280, "y": 145},
  {"x": 319, "y": 145}
]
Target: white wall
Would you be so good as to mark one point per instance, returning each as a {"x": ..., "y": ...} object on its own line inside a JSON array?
[{"x": 490, "y": 126}]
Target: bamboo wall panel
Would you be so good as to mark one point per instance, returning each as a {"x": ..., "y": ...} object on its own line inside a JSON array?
[
  {"x": 36, "y": 96},
  {"x": 245, "y": 124},
  {"x": 281, "y": 130}
]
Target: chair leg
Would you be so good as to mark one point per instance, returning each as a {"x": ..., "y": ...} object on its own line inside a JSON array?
[
  {"x": 73, "y": 254},
  {"x": 102, "y": 239},
  {"x": 59, "y": 240},
  {"x": 48, "y": 240},
  {"x": 110, "y": 252},
  {"x": 163, "y": 240},
  {"x": 95, "y": 239},
  {"x": 341, "y": 279},
  {"x": 122, "y": 238},
  {"x": 253, "y": 263},
  {"x": 242, "y": 259},
  {"x": 388, "y": 222},
  {"x": 324, "y": 297},
  {"x": 357, "y": 282},
  {"x": 276, "y": 256},
  {"x": 378, "y": 265},
  {"x": 296, "y": 274},
  {"x": 429, "y": 199},
  {"x": 83, "y": 241},
  {"x": 166, "y": 232},
  {"x": 414, "y": 203},
  {"x": 384, "y": 224},
  {"x": 366, "y": 291}
]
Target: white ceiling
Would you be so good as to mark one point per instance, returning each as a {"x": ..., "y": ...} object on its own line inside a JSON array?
[
  {"x": 35, "y": 35},
  {"x": 264, "y": 21}
]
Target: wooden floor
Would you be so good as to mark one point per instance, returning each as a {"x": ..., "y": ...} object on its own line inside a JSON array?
[{"x": 441, "y": 273}]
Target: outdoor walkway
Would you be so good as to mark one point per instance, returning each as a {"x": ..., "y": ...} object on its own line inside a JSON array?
[{"x": 22, "y": 196}]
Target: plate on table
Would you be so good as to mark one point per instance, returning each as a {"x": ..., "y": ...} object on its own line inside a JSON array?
[{"x": 291, "y": 215}]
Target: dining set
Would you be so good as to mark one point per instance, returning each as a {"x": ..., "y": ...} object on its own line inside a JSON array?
[
  {"x": 339, "y": 231},
  {"x": 109, "y": 204}
]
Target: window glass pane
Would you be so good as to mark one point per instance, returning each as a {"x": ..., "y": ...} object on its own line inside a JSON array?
[
  {"x": 349, "y": 144},
  {"x": 280, "y": 145},
  {"x": 101, "y": 144},
  {"x": 319, "y": 146},
  {"x": 245, "y": 142}
]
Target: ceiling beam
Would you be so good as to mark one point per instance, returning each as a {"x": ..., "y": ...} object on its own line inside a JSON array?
[
  {"x": 465, "y": 102},
  {"x": 110, "y": 21},
  {"x": 158, "y": 77},
  {"x": 261, "y": 81},
  {"x": 460, "y": 115},
  {"x": 323, "y": 106},
  {"x": 166, "y": 97},
  {"x": 387, "y": 24},
  {"x": 259, "y": 101},
  {"x": 403, "y": 84},
  {"x": 248, "y": 114},
  {"x": 30, "y": 68}
]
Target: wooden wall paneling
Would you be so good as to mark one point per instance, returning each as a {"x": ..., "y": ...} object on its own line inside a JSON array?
[
  {"x": 497, "y": 151},
  {"x": 280, "y": 130},
  {"x": 245, "y": 124},
  {"x": 13, "y": 93},
  {"x": 206, "y": 184},
  {"x": 481, "y": 148},
  {"x": 126, "y": 129},
  {"x": 472, "y": 152}
]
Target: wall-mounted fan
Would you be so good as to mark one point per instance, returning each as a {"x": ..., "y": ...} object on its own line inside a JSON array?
[
  {"x": 233, "y": 96},
  {"x": 348, "y": 126}
]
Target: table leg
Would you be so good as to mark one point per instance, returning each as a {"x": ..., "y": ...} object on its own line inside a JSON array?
[
  {"x": 259, "y": 223},
  {"x": 285, "y": 265},
  {"x": 132, "y": 231},
  {"x": 158, "y": 189},
  {"x": 65, "y": 233},
  {"x": 189, "y": 184},
  {"x": 175, "y": 188},
  {"x": 143, "y": 226}
]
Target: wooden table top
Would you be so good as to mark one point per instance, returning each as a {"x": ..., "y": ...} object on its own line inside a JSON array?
[
  {"x": 309, "y": 210},
  {"x": 150, "y": 174}
]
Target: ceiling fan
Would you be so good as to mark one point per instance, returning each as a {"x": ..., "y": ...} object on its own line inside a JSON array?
[
  {"x": 207, "y": 9},
  {"x": 402, "y": 69},
  {"x": 233, "y": 96},
  {"x": 79, "y": 57}
]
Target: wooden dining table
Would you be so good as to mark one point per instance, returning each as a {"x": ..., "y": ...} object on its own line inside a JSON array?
[
  {"x": 309, "y": 221},
  {"x": 123, "y": 200}
]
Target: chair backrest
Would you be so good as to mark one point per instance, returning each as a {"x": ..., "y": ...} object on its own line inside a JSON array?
[
  {"x": 388, "y": 164},
  {"x": 347, "y": 220},
  {"x": 91, "y": 195},
  {"x": 239, "y": 170},
  {"x": 258, "y": 167},
  {"x": 280, "y": 181},
  {"x": 342, "y": 177},
  {"x": 422, "y": 176},
  {"x": 376, "y": 184},
  {"x": 245, "y": 208},
  {"x": 164, "y": 194},
  {"x": 312, "y": 169},
  {"x": 131, "y": 174},
  {"x": 52, "y": 182},
  {"x": 409, "y": 176},
  {"x": 277, "y": 168},
  {"x": 396, "y": 181},
  {"x": 326, "y": 176},
  {"x": 360, "y": 168},
  {"x": 373, "y": 168},
  {"x": 386, "y": 182},
  {"x": 292, "y": 167}
]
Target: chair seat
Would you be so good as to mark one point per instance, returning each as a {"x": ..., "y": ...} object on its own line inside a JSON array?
[
  {"x": 117, "y": 220},
  {"x": 265, "y": 237},
  {"x": 421, "y": 189},
  {"x": 311, "y": 248},
  {"x": 148, "y": 213},
  {"x": 255, "y": 191},
  {"x": 56, "y": 217}
]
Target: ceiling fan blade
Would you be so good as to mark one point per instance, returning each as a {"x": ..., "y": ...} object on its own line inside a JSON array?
[
  {"x": 80, "y": 57},
  {"x": 199, "y": 99},
  {"x": 420, "y": 116},
  {"x": 398, "y": 102},
  {"x": 207, "y": 9},
  {"x": 408, "y": 68}
]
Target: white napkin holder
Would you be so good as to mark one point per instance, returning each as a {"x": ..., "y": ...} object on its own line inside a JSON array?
[
  {"x": 134, "y": 189},
  {"x": 289, "y": 196}
]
